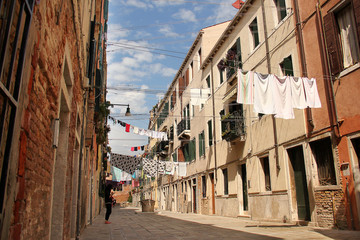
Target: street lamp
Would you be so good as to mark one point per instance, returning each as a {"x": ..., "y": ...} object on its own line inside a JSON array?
[{"x": 127, "y": 114}]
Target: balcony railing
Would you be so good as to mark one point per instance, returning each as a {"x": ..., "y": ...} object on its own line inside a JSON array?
[
  {"x": 233, "y": 126},
  {"x": 162, "y": 148},
  {"x": 183, "y": 128}
]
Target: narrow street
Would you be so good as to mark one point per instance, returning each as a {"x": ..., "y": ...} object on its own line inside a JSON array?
[{"x": 131, "y": 223}]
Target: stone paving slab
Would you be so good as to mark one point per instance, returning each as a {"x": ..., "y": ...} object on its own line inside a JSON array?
[{"x": 132, "y": 224}]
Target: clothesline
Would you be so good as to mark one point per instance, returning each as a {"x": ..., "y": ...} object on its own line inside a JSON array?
[
  {"x": 140, "y": 131},
  {"x": 151, "y": 167}
]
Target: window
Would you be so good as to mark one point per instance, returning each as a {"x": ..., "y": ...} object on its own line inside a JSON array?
[
  {"x": 192, "y": 149},
  {"x": 203, "y": 184},
  {"x": 287, "y": 67},
  {"x": 226, "y": 183},
  {"x": 173, "y": 99},
  {"x": 356, "y": 146},
  {"x": 189, "y": 150},
  {"x": 281, "y": 9},
  {"x": 234, "y": 59},
  {"x": 208, "y": 84},
  {"x": 14, "y": 28},
  {"x": 181, "y": 86},
  {"x": 186, "y": 77},
  {"x": 254, "y": 32},
  {"x": 341, "y": 36},
  {"x": 266, "y": 172},
  {"x": 174, "y": 156},
  {"x": 200, "y": 59},
  {"x": 322, "y": 152},
  {"x": 191, "y": 71},
  {"x": 201, "y": 144},
  {"x": 221, "y": 73},
  {"x": 210, "y": 133}
]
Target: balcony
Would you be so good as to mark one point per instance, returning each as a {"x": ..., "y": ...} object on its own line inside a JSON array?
[
  {"x": 183, "y": 129},
  {"x": 233, "y": 126},
  {"x": 162, "y": 148}
]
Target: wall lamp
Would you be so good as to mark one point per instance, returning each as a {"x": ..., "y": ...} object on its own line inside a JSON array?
[{"x": 127, "y": 114}]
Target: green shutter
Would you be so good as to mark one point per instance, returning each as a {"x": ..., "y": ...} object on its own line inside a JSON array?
[
  {"x": 210, "y": 133},
  {"x": 193, "y": 145},
  {"x": 238, "y": 52},
  {"x": 186, "y": 152},
  {"x": 208, "y": 81},
  {"x": 200, "y": 145},
  {"x": 106, "y": 9},
  {"x": 221, "y": 76}
]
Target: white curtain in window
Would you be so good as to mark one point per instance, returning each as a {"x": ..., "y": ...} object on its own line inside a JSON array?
[{"x": 348, "y": 37}]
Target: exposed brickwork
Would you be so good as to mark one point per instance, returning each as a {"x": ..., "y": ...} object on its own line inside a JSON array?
[
  {"x": 123, "y": 196},
  {"x": 330, "y": 209},
  {"x": 32, "y": 213}
]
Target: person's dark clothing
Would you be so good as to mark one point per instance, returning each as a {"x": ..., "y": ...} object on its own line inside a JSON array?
[
  {"x": 108, "y": 202},
  {"x": 108, "y": 211}
]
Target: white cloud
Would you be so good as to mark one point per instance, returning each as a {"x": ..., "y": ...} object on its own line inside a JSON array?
[
  {"x": 168, "y": 31},
  {"x": 136, "y": 100},
  {"x": 159, "y": 68},
  {"x": 137, "y": 3},
  {"x": 186, "y": 15},
  {"x": 116, "y": 32},
  {"x": 224, "y": 12}
]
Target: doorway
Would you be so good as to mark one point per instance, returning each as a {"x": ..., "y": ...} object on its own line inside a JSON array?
[
  {"x": 212, "y": 192},
  {"x": 298, "y": 182},
  {"x": 245, "y": 204},
  {"x": 194, "y": 196}
]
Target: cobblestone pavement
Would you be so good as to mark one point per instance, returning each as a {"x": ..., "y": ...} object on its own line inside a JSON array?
[{"x": 132, "y": 224}]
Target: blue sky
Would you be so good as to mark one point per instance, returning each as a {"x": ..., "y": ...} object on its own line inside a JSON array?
[{"x": 147, "y": 42}]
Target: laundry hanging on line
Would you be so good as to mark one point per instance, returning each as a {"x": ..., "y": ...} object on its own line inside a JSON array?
[
  {"x": 271, "y": 94},
  {"x": 124, "y": 162},
  {"x": 144, "y": 132}
]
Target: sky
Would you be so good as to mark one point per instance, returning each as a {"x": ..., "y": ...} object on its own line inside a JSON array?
[{"x": 147, "y": 42}]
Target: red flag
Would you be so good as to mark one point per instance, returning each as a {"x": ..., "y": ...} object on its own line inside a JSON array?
[{"x": 238, "y": 4}]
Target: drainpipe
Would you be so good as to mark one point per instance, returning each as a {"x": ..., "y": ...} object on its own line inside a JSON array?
[
  {"x": 308, "y": 113},
  {"x": 214, "y": 131},
  {"x": 329, "y": 91},
  {"x": 269, "y": 71}
]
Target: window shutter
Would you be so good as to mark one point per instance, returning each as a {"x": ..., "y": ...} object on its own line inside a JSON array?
[
  {"x": 210, "y": 132},
  {"x": 356, "y": 5},
  {"x": 200, "y": 144},
  {"x": 187, "y": 78},
  {"x": 332, "y": 43},
  {"x": 238, "y": 52},
  {"x": 181, "y": 86}
]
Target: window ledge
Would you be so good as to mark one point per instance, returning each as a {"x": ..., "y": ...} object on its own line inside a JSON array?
[
  {"x": 349, "y": 70},
  {"x": 328, "y": 188}
]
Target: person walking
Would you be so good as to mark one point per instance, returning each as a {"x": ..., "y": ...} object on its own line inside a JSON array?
[{"x": 108, "y": 203}]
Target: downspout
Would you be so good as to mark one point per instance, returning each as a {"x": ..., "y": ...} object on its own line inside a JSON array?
[
  {"x": 330, "y": 99},
  {"x": 308, "y": 112},
  {"x": 269, "y": 71},
  {"x": 214, "y": 131}
]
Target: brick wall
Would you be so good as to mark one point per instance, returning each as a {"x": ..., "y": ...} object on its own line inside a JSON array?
[
  {"x": 32, "y": 210},
  {"x": 330, "y": 209},
  {"x": 123, "y": 196}
]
